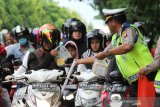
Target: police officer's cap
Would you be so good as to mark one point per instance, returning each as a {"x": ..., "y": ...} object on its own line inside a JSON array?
[{"x": 110, "y": 13}]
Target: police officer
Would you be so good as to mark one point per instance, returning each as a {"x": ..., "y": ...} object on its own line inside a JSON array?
[
  {"x": 127, "y": 45},
  {"x": 152, "y": 67}
]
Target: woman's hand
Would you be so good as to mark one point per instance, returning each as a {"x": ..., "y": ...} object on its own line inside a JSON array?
[{"x": 54, "y": 52}]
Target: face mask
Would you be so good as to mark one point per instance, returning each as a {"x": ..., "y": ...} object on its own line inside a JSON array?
[{"x": 22, "y": 41}]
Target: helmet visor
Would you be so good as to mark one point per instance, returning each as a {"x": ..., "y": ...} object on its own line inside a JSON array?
[{"x": 50, "y": 36}]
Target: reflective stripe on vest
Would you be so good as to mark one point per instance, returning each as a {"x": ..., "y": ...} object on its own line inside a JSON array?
[{"x": 130, "y": 63}]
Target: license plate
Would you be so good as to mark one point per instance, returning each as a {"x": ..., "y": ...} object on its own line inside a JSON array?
[
  {"x": 119, "y": 88},
  {"x": 44, "y": 86},
  {"x": 90, "y": 86},
  {"x": 19, "y": 96},
  {"x": 71, "y": 86}
]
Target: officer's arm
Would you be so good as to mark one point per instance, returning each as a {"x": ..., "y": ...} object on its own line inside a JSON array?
[
  {"x": 155, "y": 65},
  {"x": 121, "y": 49}
]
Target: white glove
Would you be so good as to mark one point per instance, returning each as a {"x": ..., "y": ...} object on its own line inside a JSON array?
[{"x": 9, "y": 77}]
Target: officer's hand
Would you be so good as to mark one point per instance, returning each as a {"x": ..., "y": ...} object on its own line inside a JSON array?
[
  {"x": 101, "y": 55},
  {"x": 54, "y": 52},
  {"x": 9, "y": 77},
  {"x": 142, "y": 71}
]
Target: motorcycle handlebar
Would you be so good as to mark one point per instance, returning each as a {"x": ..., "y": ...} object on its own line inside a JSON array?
[{"x": 13, "y": 80}]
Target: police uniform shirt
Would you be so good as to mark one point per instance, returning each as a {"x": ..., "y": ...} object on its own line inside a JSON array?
[
  {"x": 155, "y": 65},
  {"x": 129, "y": 35}
]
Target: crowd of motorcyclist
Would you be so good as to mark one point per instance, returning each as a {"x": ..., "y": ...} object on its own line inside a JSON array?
[{"x": 23, "y": 49}]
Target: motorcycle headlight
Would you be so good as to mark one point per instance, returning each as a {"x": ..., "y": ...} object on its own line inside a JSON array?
[
  {"x": 115, "y": 97},
  {"x": 116, "y": 100},
  {"x": 42, "y": 98},
  {"x": 88, "y": 102},
  {"x": 42, "y": 103}
]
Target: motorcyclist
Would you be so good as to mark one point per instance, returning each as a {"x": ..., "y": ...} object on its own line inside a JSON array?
[
  {"x": 34, "y": 34},
  {"x": 19, "y": 49},
  {"x": 72, "y": 48},
  {"x": 42, "y": 58},
  {"x": 76, "y": 31},
  {"x": 6, "y": 38},
  {"x": 107, "y": 39},
  {"x": 66, "y": 25},
  {"x": 6, "y": 102},
  {"x": 2, "y": 37},
  {"x": 142, "y": 28},
  {"x": 95, "y": 44}
]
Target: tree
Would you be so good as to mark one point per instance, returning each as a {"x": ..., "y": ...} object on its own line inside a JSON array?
[
  {"x": 137, "y": 10},
  {"x": 32, "y": 13}
]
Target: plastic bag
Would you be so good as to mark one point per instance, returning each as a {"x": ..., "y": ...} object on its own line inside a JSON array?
[
  {"x": 63, "y": 54},
  {"x": 146, "y": 92},
  {"x": 100, "y": 67}
]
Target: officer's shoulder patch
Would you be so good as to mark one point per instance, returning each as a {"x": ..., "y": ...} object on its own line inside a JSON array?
[{"x": 124, "y": 34}]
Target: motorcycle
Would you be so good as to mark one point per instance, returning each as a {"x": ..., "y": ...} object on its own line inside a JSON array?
[
  {"x": 41, "y": 88},
  {"x": 116, "y": 92},
  {"x": 91, "y": 85}
]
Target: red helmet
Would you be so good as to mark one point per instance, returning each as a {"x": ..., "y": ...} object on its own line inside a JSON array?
[{"x": 3, "y": 52}]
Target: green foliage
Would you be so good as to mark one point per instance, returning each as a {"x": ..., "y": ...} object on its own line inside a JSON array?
[
  {"x": 32, "y": 13},
  {"x": 137, "y": 10}
]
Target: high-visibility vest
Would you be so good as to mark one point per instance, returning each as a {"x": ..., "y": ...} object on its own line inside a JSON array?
[{"x": 130, "y": 63}]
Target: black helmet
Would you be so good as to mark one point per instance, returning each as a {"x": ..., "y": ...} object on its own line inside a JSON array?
[
  {"x": 77, "y": 25},
  {"x": 138, "y": 24},
  {"x": 141, "y": 27},
  {"x": 108, "y": 37},
  {"x": 96, "y": 33},
  {"x": 20, "y": 31},
  {"x": 21, "y": 34},
  {"x": 65, "y": 26}
]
